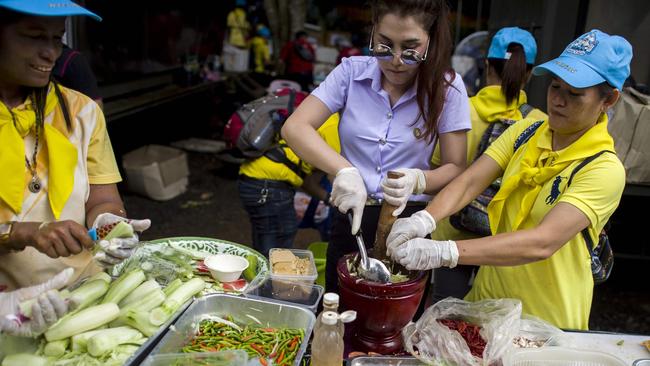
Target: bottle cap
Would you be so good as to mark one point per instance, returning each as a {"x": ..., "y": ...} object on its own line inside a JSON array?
[
  {"x": 330, "y": 298},
  {"x": 330, "y": 318},
  {"x": 348, "y": 316}
]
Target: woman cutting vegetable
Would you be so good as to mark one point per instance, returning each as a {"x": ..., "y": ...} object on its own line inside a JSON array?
[
  {"x": 394, "y": 108},
  {"x": 537, "y": 253},
  {"x": 58, "y": 167}
]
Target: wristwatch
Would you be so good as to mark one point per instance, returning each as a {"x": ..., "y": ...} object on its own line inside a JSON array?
[{"x": 5, "y": 231}]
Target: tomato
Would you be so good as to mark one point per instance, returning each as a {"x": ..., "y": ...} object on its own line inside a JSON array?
[{"x": 237, "y": 285}]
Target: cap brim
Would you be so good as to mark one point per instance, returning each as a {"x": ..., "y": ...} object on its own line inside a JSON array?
[
  {"x": 49, "y": 8},
  {"x": 573, "y": 71}
]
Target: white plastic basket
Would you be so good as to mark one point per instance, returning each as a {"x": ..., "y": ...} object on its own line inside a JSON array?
[{"x": 560, "y": 356}]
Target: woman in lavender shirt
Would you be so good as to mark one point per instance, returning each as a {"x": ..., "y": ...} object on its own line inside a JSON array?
[{"x": 395, "y": 106}]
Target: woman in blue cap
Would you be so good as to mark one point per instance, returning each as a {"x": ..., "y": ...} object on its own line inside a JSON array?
[
  {"x": 58, "y": 167},
  {"x": 537, "y": 253},
  {"x": 493, "y": 109}
]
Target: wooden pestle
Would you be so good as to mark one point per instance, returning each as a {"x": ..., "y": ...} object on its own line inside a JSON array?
[{"x": 386, "y": 221}]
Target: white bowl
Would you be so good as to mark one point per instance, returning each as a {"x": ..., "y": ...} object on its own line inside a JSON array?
[{"x": 226, "y": 267}]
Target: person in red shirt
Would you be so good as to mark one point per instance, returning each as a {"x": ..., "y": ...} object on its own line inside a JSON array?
[{"x": 298, "y": 57}]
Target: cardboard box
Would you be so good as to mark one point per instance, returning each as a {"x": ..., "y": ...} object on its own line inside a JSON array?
[
  {"x": 630, "y": 128},
  {"x": 158, "y": 172}
]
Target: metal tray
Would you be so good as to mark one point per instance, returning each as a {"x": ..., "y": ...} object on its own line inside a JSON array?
[
  {"x": 385, "y": 361},
  {"x": 147, "y": 346},
  {"x": 268, "y": 312}
]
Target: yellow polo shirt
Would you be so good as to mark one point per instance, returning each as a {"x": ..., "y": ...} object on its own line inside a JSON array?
[
  {"x": 487, "y": 106},
  {"x": 95, "y": 165},
  {"x": 558, "y": 289},
  {"x": 265, "y": 168}
]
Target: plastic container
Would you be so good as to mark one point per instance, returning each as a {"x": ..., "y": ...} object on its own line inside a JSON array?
[
  {"x": 223, "y": 358},
  {"x": 285, "y": 284},
  {"x": 560, "y": 356},
  {"x": 307, "y": 296},
  {"x": 155, "y": 171},
  {"x": 226, "y": 267}
]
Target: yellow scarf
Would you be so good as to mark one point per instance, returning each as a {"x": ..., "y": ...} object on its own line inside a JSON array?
[
  {"x": 533, "y": 173},
  {"x": 62, "y": 155},
  {"x": 490, "y": 104}
]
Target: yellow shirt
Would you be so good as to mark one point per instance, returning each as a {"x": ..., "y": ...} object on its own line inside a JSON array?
[
  {"x": 487, "y": 106},
  {"x": 237, "y": 27},
  {"x": 261, "y": 54},
  {"x": 558, "y": 289},
  {"x": 265, "y": 168},
  {"x": 95, "y": 165}
]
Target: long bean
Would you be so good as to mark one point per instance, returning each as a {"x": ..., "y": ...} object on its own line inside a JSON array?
[{"x": 278, "y": 344}]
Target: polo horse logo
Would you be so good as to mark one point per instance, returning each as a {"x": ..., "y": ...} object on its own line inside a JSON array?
[{"x": 555, "y": 190}]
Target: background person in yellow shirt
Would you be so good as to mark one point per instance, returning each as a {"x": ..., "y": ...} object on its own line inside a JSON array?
[
  {"x": 500, "y": 103},
  {"x": 537, "y": 253},
  {"x": 260, "y": 49},
  {"x": 58, "y": 167},
  {"x": 267, "y": 188}
]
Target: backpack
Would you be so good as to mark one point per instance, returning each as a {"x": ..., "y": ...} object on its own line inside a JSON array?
[
  {"x": 254, "y": 129},
  {"x": 473, "y": 217}
]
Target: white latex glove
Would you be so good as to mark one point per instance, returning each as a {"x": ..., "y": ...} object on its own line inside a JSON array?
[
  {"x": 423, "y": 254},
  {"x": 47, "y": 308},
  {"x": 349, "y": 193},
  {"x": 398, "y": 191},
  {"x": 116, "y": 250},
  {"x": 419, "y": 225}
]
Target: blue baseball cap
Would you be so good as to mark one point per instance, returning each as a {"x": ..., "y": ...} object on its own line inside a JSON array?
[
  {"x": 263, "y": 31},
  {"x": 593, "y": 58},
  {"x": 505, "y": 36},
  {"x": 48, "y": 8}
]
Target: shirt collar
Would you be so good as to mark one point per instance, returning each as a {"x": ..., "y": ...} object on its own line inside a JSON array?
[{"x": 372, "y": 72}]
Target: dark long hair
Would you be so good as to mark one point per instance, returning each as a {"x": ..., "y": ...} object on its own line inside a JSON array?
[
  {"x": 435, "y": 73},
  {"x": 512, "y": 72},
  {"x": 38, "y": 95}
]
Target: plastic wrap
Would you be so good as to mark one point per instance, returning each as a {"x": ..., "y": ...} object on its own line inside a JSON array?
[
  {"x": 535, "y": 332},
  {"x": 435, "y": 344}
]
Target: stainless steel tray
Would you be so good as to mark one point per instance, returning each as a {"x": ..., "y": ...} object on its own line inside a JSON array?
[
  {"x": 385, "y": 361},
  {"x": 268, "y": 312},
  {"x": 147, "y": 346}
]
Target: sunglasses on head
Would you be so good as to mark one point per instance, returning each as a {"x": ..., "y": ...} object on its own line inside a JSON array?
[{"x": 408, "y": 56}]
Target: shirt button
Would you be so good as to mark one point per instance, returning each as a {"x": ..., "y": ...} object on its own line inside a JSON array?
[
  {"x": 389, "y": 115},
  {"x": 378, "y": 169},
  {"x": 382, "y": 141}
]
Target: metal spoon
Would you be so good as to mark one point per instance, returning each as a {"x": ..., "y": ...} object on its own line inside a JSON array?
[{"x": 370, "y": 269}]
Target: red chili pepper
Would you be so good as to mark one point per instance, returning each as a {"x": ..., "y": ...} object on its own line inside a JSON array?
[
  {"x": 259, "y": 349},
  {"x": 292, "y": 345},
  {"x": 268, "y": 329},
  {"x": 470, "y": 333},
  {"x": 279, "y": 359},
  {"x": 263, "y": 361}
]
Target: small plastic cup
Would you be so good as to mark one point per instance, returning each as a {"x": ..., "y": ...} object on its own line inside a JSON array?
[{"x": 226, "y": 267}]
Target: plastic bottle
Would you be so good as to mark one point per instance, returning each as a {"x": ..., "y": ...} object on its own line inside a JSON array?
[
  {"x": 330, "y": 303},
  {"x": 327, "y": 346}
]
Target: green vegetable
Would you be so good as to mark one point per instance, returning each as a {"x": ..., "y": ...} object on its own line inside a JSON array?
[
  {"x": 106, "y": 340},
  {"x": 56, "y": 348},
  {"x": 101, "y": 276},
  {"x": 140, "y": 321},
  {"x": 172, "y": 286},
  {"x": 124, "y": 286},
  {"x": 175, "y": 300},
  {"x": 141, "y": 291},
  {"x": 25, "y": 359},
  {"x": 86, "y": 319},
  {"x": 250, "y": 272},
  {"x": 121, "y": 230},
  {"x": 146, "y": 303},
  {"x": 164, "y": 265},
  {"x": 80, "y": 341},
  {"x": 620, "y": 343},
  {"x": 88, "y": 293}
]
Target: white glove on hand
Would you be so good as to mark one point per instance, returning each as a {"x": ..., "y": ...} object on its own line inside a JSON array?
[
  {"x": 398, "y": 191},
  {"x": 115, "y": 250},
  {"x": 47, "y": 308},
  {"x": 423, "y": 254},
  {"x": 349, "y": 193},
  {"x": 419, "y": 225}
]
